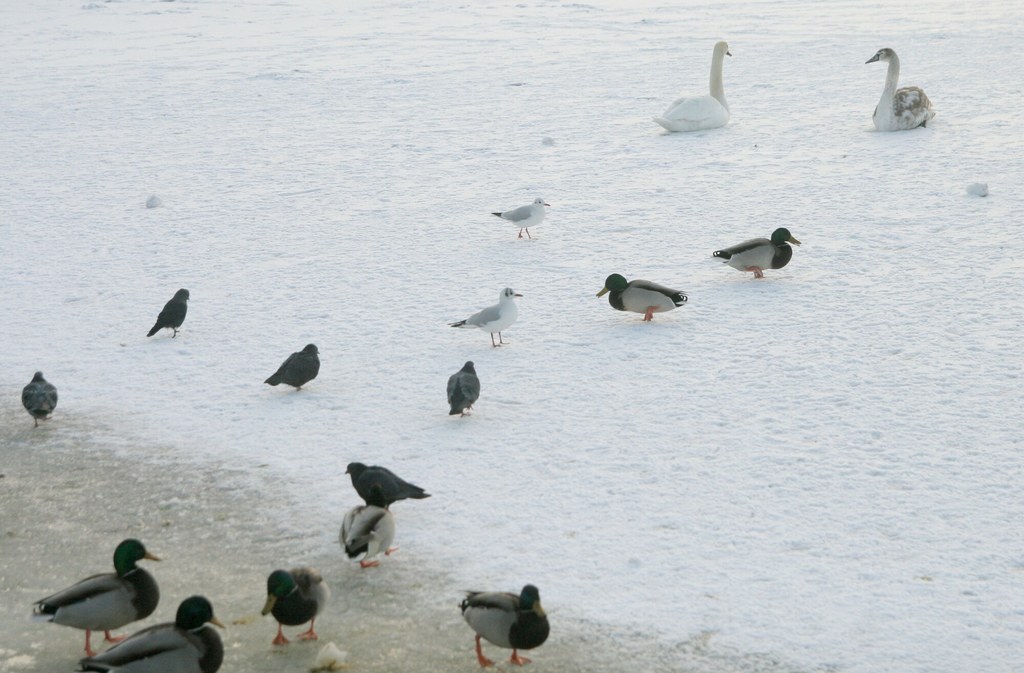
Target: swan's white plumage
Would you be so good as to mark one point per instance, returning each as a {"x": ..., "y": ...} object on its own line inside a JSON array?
[
  {"x": 899, "y": 109},
  {"x": 695, "y": 113}
]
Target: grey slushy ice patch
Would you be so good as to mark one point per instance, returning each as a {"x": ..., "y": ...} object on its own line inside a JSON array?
[{"x": 70, "y": 491}]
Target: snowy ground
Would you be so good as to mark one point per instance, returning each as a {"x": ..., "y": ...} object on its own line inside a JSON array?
[{"x": 822, "y": 467}]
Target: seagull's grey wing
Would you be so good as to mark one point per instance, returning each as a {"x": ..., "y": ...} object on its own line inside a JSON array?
[
  {"x": 518, "y": 214},
  {"x": 489, "y": 314}
]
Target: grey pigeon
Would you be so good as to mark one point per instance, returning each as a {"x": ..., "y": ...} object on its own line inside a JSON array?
[
  {"x": 365, "y": 477},
  {"x": 39, "y": 398},
  {"x": 299, "y": 369},
  {"x": 463, "y": 389},
  {"x": 173, "y": 314}
]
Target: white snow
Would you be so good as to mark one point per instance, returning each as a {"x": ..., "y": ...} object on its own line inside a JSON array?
[
  {"x": 824, "y": 465},
  {"x": 978, "y": 189}
]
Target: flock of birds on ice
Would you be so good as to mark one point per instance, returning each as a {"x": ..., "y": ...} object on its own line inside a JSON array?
[{"x": 513, "y": 621}]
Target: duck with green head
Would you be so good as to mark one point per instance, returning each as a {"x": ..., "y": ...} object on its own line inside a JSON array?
[
  {"x": 296, "y": 597},
  {"x": 108, "y": 601},
  {"x": 187, "y": 645},
  {"x": 759, "y": 254},
  {"x": 641, "y": 296},
  {"x": 516, "y": 622}
]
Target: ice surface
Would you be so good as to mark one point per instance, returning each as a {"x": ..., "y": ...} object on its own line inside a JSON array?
[{"x": 821, "y": 468}]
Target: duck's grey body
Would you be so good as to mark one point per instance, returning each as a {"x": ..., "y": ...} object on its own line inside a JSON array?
[
  {"x": 463, "y": 390},
  {"x": 102, "y": 602},
  {"x": 759, "y": 254},
  {"x": 162, "y": 649},
  {"x": 368, "y": 529},
  {"x": 39, "y": 398},
  {"x": 188, "y": 645}
]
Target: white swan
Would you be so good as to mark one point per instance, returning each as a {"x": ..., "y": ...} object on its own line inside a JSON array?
[
  {"x": 693, "y": 113},
  {"x": 899, "y": 109}
]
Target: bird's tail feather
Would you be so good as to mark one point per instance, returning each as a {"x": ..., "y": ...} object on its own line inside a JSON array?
[
  {"x": 273, "y": 380},
  {"x": 156, "y": 328},
  {"x": 679, "y": 298},
  {"x": 497, "y": 214},
  {"x": 724, "y": 254},
  {"x": 461, "y": 323}
]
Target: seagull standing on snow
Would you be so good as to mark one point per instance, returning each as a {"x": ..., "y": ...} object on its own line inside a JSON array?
[
  {"x": 495, "y": 318},
  {"x": 525, "y": 217}
]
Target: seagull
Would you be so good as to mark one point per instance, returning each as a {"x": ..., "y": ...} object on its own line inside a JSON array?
[
  {"x": 39, "y": 398},
  {"x": 173, "y": 314},
  {"x": 525, "y": 217},
  {"x": 495, "y": 318},
  {"x": 299, "y": 369},
  {"x": 463, "y": 389}
]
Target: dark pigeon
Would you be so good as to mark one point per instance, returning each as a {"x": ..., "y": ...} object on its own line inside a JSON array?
[
  {"x": 173, "y": 314},
  {"x": 365, "y": 477},
  {"x": 299, "y": 369},
  {"x": 39, "y": 398},
  {"x": 463, "y": 389}
]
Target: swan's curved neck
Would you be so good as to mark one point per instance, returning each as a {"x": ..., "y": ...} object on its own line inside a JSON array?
[
  {"x": 717, "y": 90},
  {"x": 892, "y": 77}
]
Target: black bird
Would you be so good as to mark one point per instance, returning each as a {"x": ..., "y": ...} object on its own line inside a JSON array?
[
  {"x": 39, "y": 398},
  {"x": 394, "y": 487},
  {"x": 299, "y": 369},
  {"x": 463, "y": 389},
  {"x": 173, "y": 314}
]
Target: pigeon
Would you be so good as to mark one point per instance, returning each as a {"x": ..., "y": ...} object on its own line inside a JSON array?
[
  {"x": 39, "y": 398},
  {"x": 299, "y": 369},
  {"x": 394, "y": 487},
  {"x": 495, "y": 318},
  {"x": 507, "y": 620},
  {"x": 463, "y": 389},
  {"x": 173, "y": 314},
  {"x": 525, "y": 217}
]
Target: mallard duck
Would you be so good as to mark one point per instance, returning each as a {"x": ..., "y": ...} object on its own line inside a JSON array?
[
  {"x": 39, "y": 398},
  {"x": 696, "y": 113},
  {"x": 641, "y": 296},
  {"x": 296, "y": 597},
  {"x": 506, "y": 620},
  {"x": 526, "y": 216},
  {"x": 299, "y": 369},
  {"x": 368, "y": 529},
  {"x": 759, "y": 254},
  {"x": 173, "y": 313},
  {"x": 463, "y": 389},
  {"x": 394, "y": 487},
  {"x": 899, "y": 109},
  {"x": 187, "y": 645},
  {"x": 107, "y": 601},
  {"x": 494, "y": 319}
]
